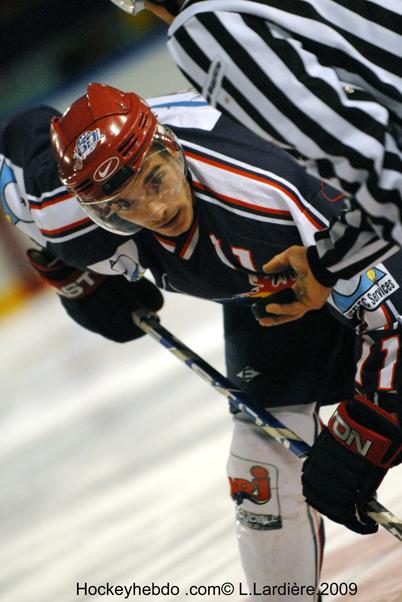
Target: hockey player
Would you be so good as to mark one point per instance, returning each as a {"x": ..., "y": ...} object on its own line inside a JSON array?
[{"x": 202, "y": 204}]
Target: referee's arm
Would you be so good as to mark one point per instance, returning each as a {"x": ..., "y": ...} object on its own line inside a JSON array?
[{"x": 270, "y": 83}]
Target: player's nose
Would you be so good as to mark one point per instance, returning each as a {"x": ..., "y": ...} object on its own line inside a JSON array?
[{"x": 157, "y": 210}]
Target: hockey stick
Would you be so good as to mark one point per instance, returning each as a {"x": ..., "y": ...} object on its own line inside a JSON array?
[{"x": 149, "y": 323}]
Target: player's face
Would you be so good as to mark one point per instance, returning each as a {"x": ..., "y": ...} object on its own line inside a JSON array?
[{"x": 159, "y": 198}]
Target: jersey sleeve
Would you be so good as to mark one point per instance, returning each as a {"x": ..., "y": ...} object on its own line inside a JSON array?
[
  {"x": 372, "y": 303},
  {"x": 347, "y": 247},
  {"x": 27, "y": 168},
  {"x": 25, "y": 142},
  {"x": 379, "y": 368},
  {"x": 31, "y": 193}
]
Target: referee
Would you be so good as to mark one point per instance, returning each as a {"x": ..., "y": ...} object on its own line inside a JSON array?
[{"x": 323, "y": 78}]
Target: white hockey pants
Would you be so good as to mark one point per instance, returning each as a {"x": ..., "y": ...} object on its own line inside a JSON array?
[{"x": 280, "y": 537}]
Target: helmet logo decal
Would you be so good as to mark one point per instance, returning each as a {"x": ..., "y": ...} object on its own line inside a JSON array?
[
  {"x": 106, "y": 169},
  {"x": 85, "y": 145}
]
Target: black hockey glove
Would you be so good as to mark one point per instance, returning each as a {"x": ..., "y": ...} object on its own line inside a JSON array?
[
  {"x": 348, "y": 462},
  {"x": 277, "y": 288},
  {"x": 102, "y": 304},
  {"x": 259, "y": 310}
]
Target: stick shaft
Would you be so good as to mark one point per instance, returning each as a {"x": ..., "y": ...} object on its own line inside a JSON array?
[
  {"x": 236, "y": 397},
  {"x": 149, "y": 323}
]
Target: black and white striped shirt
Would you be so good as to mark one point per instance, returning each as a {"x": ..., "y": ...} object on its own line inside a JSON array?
[{"x": 324, "y": 79}]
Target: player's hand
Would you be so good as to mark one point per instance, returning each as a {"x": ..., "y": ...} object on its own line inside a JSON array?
[
  {"x": 309, "y": 293},
  {"x": 102, "y": 304},
  {"x": 348, "y": 462}
]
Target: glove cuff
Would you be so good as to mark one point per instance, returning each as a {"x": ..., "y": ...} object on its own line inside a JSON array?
[
  {"x": 368, "y": 431},
  {"x": 68, "y": 281},
  {"x": 78, "y": 285}
]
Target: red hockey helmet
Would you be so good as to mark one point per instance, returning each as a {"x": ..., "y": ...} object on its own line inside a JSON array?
[{"x": 100, "y": 141}]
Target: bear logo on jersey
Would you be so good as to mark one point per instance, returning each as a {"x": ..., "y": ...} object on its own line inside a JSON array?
[
  {"x": 14, "y": 206},
  {"x": 125, "y": 265}
]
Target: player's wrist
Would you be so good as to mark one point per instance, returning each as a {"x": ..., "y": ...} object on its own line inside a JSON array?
[
  {"x": 70, "y": 282},
  {"x": 320, "y": 273}
]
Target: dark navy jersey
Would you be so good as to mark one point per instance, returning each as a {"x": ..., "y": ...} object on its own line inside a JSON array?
[{"x": 252, "y": 200}]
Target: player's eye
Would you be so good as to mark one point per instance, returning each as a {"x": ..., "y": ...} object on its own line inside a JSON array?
[
  {"x": 154, "y": 179},
  {"x": 122, "y": 204},
  {"x": 156, "y": 182}
]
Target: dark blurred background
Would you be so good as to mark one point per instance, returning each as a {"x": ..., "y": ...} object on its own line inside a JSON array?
[
  {"x": 49, "y": 51},
  {"x": 47, "y": 44}
]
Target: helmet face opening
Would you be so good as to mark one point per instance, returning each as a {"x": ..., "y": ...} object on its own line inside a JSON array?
[{"x": 159, "y": 180}]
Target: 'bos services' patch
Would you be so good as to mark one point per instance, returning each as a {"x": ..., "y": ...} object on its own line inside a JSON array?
[{"x": 371, "y": 289}]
